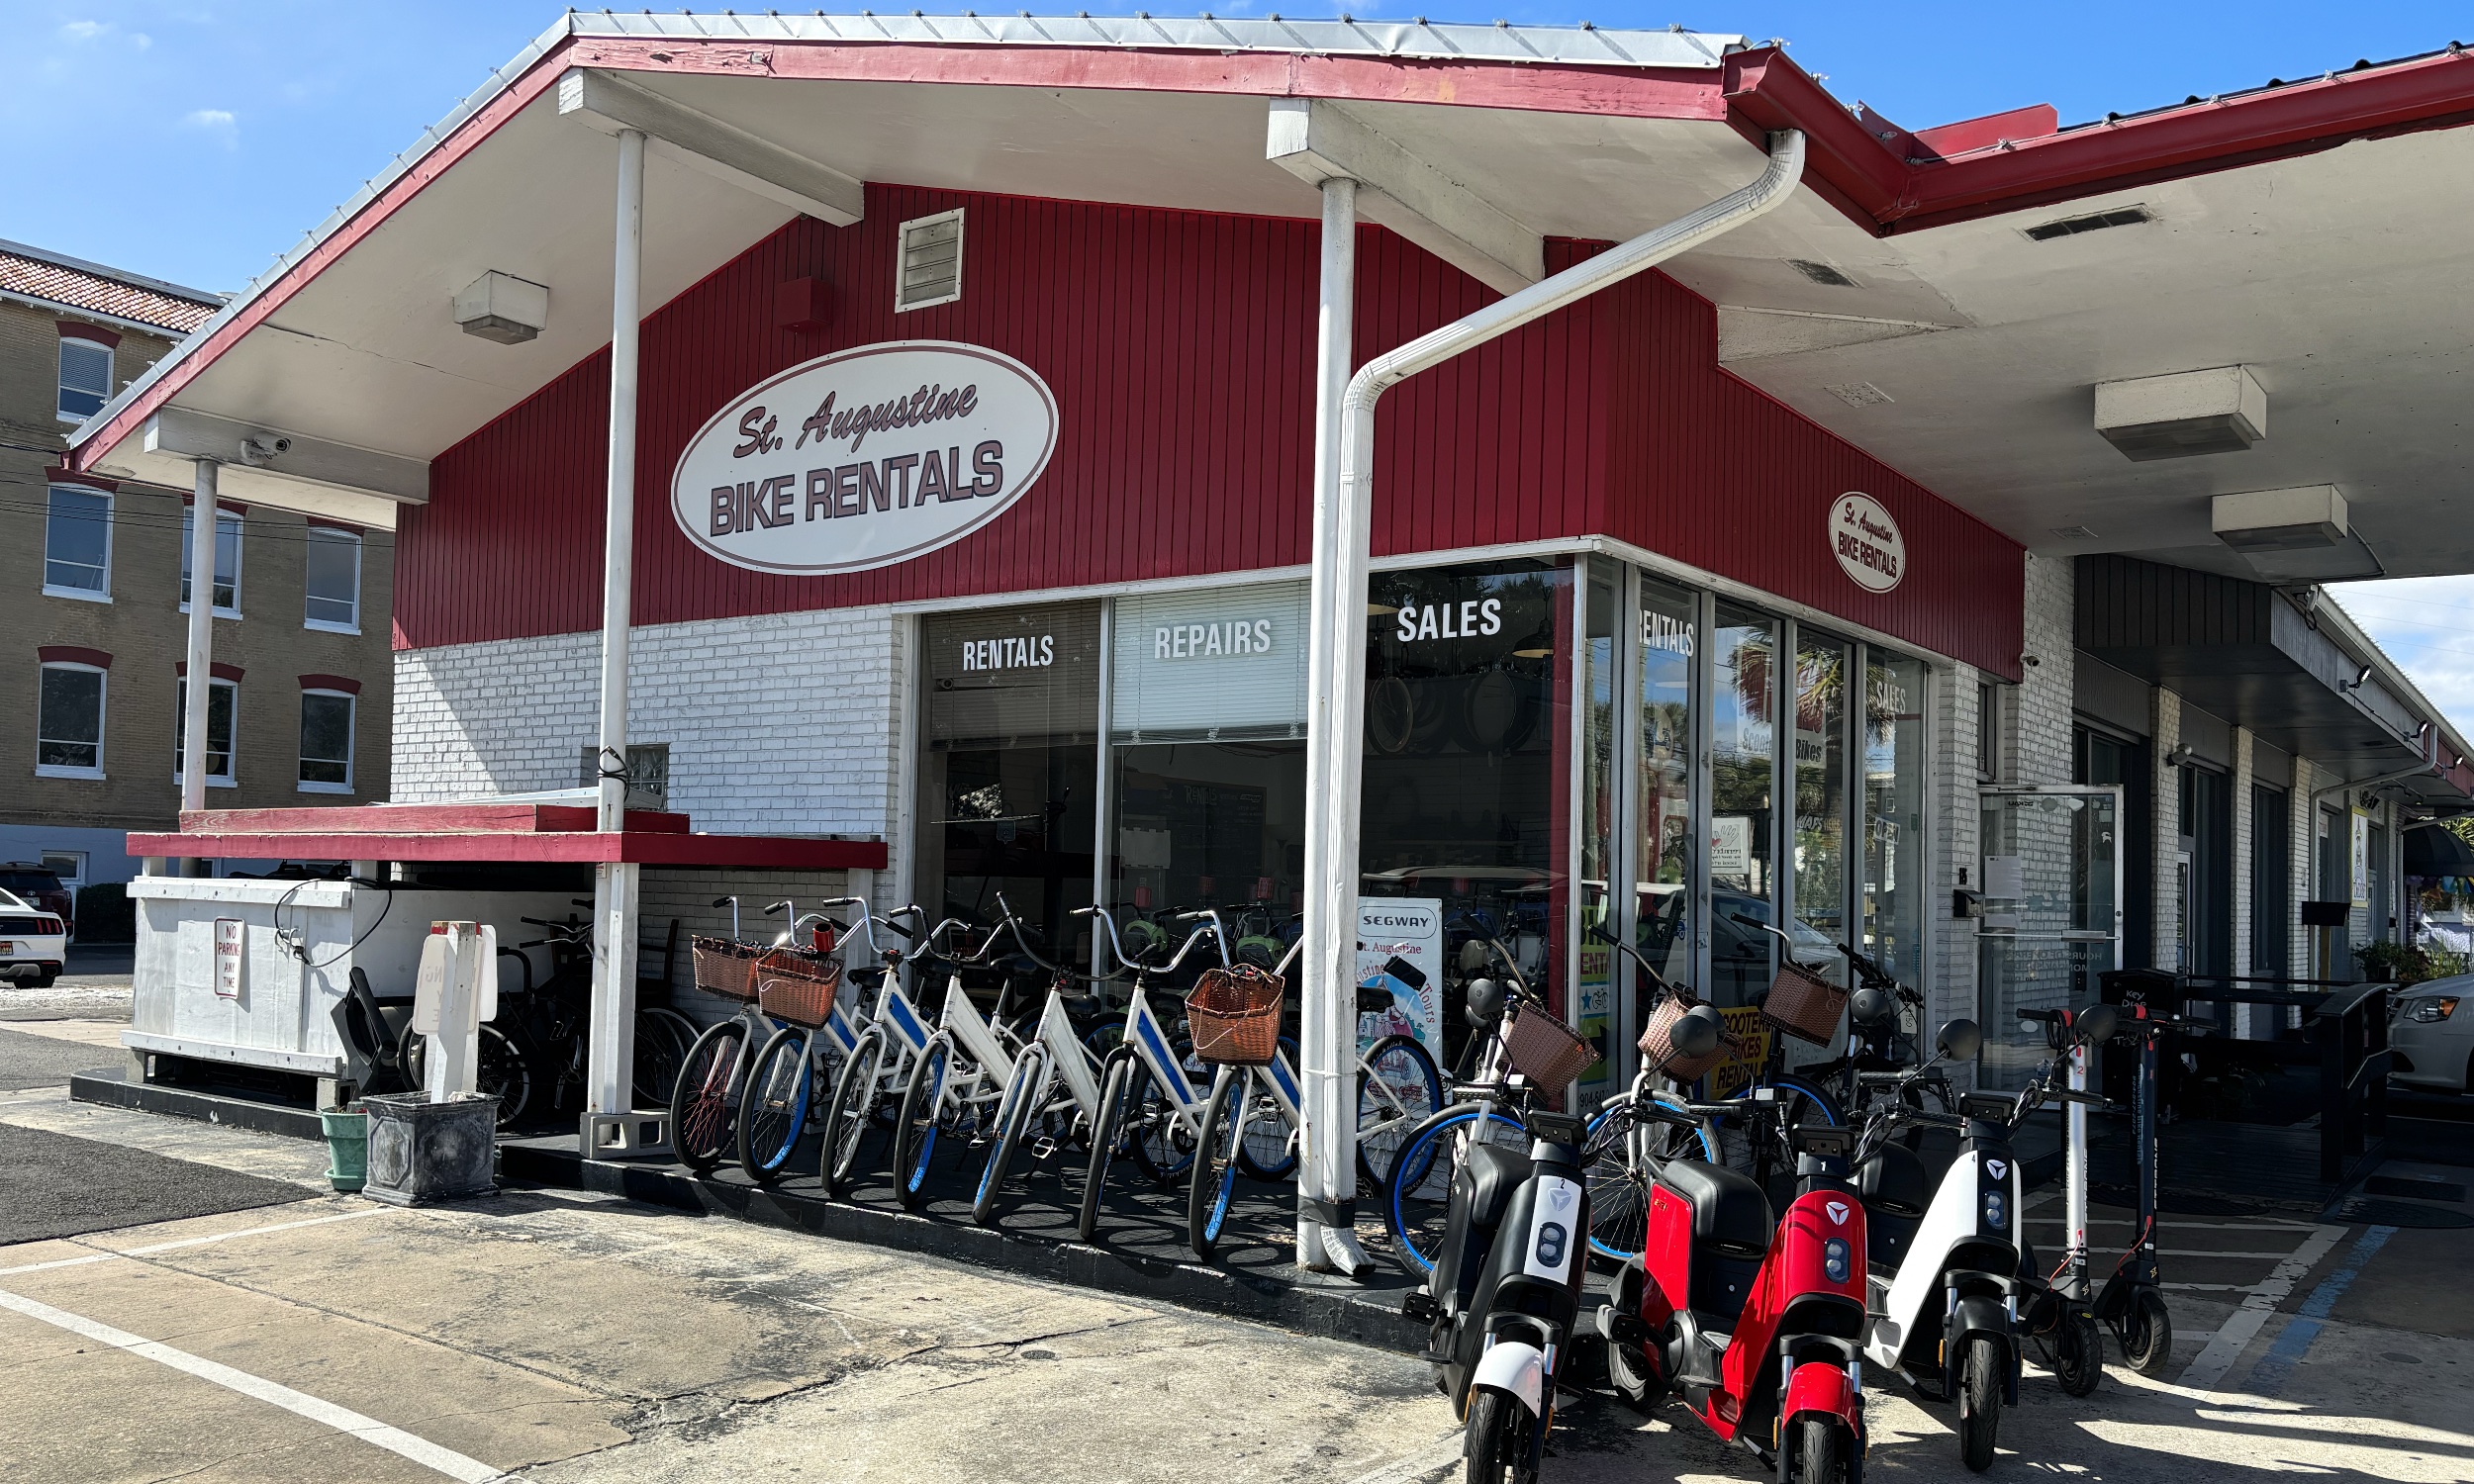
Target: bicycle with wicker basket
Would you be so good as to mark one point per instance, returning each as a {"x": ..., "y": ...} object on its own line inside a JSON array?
[
  {"x": 705, "y": 1100},
  {"x": 1636, "y": 1131}
]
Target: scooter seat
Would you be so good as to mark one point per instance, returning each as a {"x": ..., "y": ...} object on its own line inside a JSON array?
[
  {"x": 1729, "y": 1210},
  {"x": 1493, "y": 1173}
]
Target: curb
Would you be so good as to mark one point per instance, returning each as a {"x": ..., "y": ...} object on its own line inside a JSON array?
[{"x": 109, "y": 1087}]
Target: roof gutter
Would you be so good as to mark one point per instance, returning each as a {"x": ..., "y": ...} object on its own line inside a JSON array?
[
  {"x": 1336, "y": 665},
  {"x": 1887, "y": 192}
]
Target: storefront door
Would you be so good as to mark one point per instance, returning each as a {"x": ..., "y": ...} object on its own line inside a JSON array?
[{"x": 2052, "y": 914}]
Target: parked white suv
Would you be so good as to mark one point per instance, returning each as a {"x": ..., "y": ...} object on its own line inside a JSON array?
[
  {"x": 34, "y": 944},
  {"x": 2432, "y": 1031}
]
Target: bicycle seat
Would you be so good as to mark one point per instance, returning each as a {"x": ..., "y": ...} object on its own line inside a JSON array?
[{"x": 1729, "y": 1210}]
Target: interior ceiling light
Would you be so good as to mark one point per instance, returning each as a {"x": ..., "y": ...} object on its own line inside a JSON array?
[
  {"x": 503, "y": 307},
  {"x": 2295, "y": 520},
  {"x": 1537, "y": 646},
  {"x": 2070, "y": 226},
  {"x": 2184, "y": 415}
]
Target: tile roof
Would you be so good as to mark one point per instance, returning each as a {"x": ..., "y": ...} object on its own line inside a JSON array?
[{"x": 80, "y": 284}]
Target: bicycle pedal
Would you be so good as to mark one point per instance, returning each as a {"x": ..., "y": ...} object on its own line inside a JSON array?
[{"x": 1043, "y": 1148}]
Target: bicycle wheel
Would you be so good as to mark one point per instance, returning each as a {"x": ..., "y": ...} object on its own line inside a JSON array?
[
  {"x": 773, "y": 1106},
  {"x": 501, "y": 1070},
  {"x": 1398, "y": 1087},
  {"x": 1161, "y": 1147},
  {"x": 916, "y": 1130},
  {"x": 1106, "y": 1133},
  {"x": 846, "y": 1123},
  {"x": 662, "y": 1040},
  {"x": 707, "y": 1096},
  {"x": 1622, "y": 1153},
  {"x": 1218, "y": 1153},
  {"x": 1014, "y": 1115},
  {"x": 1417, "y": 1197}
]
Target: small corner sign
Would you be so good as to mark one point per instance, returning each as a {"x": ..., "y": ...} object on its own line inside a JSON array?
[
  {"x": 1866, "y": 542},
  {"x": 865, "y": 457}
]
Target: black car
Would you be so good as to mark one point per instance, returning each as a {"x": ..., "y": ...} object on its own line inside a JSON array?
[{"x": 40, "y": 886}]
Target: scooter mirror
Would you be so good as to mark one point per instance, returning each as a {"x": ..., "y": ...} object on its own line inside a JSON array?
[
  {"x": 2095, "y": 1023},
  {"x": 1697, "y": 1034},
  {"x": 1960, "y": 1040},
  {"x": 1486, "y": 1003},
  {"x": 1871, "y": 1006}
]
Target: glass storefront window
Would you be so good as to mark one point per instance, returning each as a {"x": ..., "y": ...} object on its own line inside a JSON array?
[
  {"x": 1009, "y": 765},
  {"x": 1467, "y": 716},
  {"x": 1893, "y": 904},
  {"x": 1744, "y": 745},
  {"x": 1663, "y": 853},
  {"x": 1207, "y": 761},
  {"x": 1593, "y": 1006},
  {"x": 1821, "y": 800}
]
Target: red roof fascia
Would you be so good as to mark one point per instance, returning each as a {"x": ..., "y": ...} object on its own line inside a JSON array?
[
  {"x": 1885, "y": 193},
  {"x": 420, "y": 819},
  {"x": 584, "y": 847}
]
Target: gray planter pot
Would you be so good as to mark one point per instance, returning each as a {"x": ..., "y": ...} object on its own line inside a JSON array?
[{"x": 421, "y": 1151}]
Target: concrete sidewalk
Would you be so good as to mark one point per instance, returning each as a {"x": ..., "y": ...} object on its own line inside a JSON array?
[{"x": 575, "y": 1337}]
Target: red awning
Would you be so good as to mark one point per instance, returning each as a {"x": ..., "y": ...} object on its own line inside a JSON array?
[{"x": 490, "y": 833}]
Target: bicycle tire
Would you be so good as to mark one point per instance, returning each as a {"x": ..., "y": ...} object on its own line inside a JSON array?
[
  {"x": 1417, "y": 1195},
  {"x": 662, "y": 1038},
  {"x": 1385, "y": 1118},
  {"x": 1105, "y": 1134},
  {"x": 1270, "y": 1151},
  {"x": 914, "y": 1131},
  {"x": 1155, "y": 1139},
  {"x": 501, "y": 1070},
  {"x": 773, "y": 1106},
  {"x": 853, "y": 1109},
  {"x": 1764, "y": 1160},
  {"x": 1619, "y": 1162},
  {"x": 1217, "y": 1153},
  {"x": 705, "y": 1102},
  {"x": 1012, "y": 1117}
]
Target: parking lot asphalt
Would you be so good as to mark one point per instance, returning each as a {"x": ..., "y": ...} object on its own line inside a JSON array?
[{"x": 578, "y": 1339}]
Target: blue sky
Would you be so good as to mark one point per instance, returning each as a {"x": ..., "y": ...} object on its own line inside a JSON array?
[{"x": 196, "y": 141}]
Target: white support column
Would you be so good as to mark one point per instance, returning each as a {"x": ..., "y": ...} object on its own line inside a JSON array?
[
  {"x": 2245, "y": 827},
  {"x": 201, "y": 667},
  {"x": 611, "y": 1046},
  {"x": 1327, "y": 1022}
]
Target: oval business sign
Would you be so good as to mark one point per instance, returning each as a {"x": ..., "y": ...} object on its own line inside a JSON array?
[
  {"x": 865, "y": 457},
  {"x": 1866, "y": 542}
]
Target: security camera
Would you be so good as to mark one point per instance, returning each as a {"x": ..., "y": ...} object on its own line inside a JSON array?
[{"x": 262, "y": 448}]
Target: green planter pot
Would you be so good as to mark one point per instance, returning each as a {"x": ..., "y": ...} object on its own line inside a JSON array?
[{"x": 347, "y": 1149}]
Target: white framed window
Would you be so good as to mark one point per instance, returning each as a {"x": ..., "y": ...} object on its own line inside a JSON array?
[
  {"x": 85, "y": 378},
  {"x": 68, "y": 721},
  {"x": 327, "y": 741},
  {"x": 332, "y": 581},
  {"x": 928, "y": 261},
  {"x": 77, "y": 544},
  {"x": 226, "y": 561},
  {"x": 69, "y": 865},
  {"x": 223, "y": 705}
]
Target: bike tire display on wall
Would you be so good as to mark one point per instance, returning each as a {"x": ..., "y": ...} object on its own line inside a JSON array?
[
  {"x": 1012, "y": 1117},
  {"x": 706, "y": 1098},
  {"x": 773, "y": 1107},
  {"x": 848, "y": 1122},
  {"x": 1216, "y": 1157},
  {"x": 1105, "y": 1134},
  {"x": 916, "y": 1127}
]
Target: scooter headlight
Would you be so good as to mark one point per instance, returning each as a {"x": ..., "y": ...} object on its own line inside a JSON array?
[
  {"x": 1996, "y": 1211},
  {"x": 1837, "y": 1260}
]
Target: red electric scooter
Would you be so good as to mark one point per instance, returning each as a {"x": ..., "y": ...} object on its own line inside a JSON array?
[{"x": 1757, "y": 1321}]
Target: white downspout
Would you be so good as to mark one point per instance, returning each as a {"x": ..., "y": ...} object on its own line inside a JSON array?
[
  {"x": 611, "y": 1052},
  {"x": 1343, "y": 523},
  {"x": 201, "y": 657}
]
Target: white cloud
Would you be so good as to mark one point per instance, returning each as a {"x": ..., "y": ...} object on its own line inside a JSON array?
[
  {"x": 84, "y": 30},
  {"x": 220, "y": 123}
]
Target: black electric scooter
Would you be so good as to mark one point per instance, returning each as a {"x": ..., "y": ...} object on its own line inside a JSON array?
[{"x": 2130, "y": 1303}]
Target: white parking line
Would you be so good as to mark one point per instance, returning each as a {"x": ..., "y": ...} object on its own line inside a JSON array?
[
  {"x": 2243, "y": 1323},
  {"x": 167, "y": 1247},
  {"x": 301, "y": 1404}
]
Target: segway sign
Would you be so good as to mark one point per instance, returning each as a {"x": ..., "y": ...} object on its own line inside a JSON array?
[{"x": 865, "y": 457}]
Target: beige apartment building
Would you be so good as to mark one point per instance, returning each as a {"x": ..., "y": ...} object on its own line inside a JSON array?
[{"x": 94, "y": 602}]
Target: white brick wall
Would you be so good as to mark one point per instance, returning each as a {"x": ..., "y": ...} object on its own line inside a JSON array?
[
  {"x": 2165, "y": 789},
  {"x": 1955, "y": 743},
  {"x": 778, "y": 724},
  {"x": 2042, "y": 702},
  {"x": 2243, "y": 905}
]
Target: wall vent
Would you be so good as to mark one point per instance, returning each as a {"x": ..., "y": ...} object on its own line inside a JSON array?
[
  {"x": 1820, "y": 273},
  {"x": 2069, "y": 226},
  {"x": 928, "y": 268}
]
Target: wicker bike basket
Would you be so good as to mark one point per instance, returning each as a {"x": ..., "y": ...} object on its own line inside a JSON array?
[
  {"x": 1657, "y": 1047},
  {"x": 725, "y": 967},
  {"x": 1804, "y": 1004},
  {"x": 1546, "y": 1051},
  {"x": 798, "y": 987},
  {"x": 1233, "y": 1015}
]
